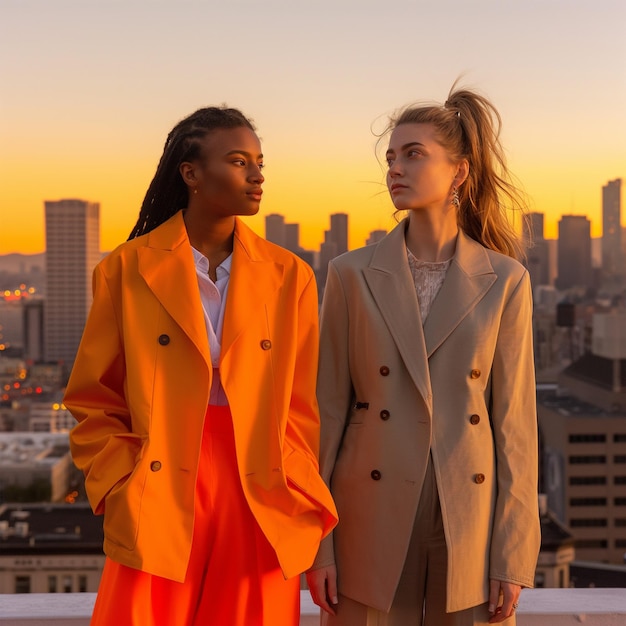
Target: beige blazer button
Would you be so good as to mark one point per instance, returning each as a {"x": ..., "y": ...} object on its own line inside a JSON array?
[
  {"x": 384, "y": 371},
  {"x": 155, "y": 466},
  {"x": 266, "y": 344},
  {"x": 164, "y": 339},
  {"x": 475, "y": 374},
  {"x": 376, "y": 475},
  {"x": 479, "y": 479},
  {"x": 474, "y": 419},
  {"x": 385, "y": 415}
]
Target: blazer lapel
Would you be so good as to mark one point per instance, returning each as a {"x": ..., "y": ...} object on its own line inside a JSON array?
[
  {"x": 254, "y": 279},
  {"x": 390, "y": 281},
  {"x": 468, "y": 279},
  {"x": 166, "y": 264}
]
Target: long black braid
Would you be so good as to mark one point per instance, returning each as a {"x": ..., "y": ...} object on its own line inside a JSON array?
[{"x": 167, "y": 193}]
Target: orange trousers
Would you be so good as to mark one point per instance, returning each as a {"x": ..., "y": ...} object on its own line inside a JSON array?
[{"x": 233, "y": 577}]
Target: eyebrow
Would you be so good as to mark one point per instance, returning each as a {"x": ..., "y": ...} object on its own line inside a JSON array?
[
  {"x": 405, "y": 146},
  {"x": 244, "y": 152}
]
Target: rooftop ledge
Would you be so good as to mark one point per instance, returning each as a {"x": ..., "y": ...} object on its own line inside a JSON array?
[{"x": 537, "y": 607}]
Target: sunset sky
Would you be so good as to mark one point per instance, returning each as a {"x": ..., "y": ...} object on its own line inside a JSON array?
[{"x": 89, "y": 90}]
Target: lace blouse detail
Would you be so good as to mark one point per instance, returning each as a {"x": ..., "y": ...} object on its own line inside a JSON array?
[{"x": 428, "y": 277}]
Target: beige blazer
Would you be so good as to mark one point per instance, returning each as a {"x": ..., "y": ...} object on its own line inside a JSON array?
[
  {"x": 461, "y": 387},
  {"x": 140, "y": 386}
]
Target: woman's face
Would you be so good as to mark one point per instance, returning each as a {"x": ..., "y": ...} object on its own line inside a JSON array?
[
  {"x": 226, "y": 180},
  {"x": 421, "y": 174}
]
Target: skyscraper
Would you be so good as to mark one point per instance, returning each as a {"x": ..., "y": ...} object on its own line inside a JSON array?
[
  {"x": 275, "y": 229},
  {"x": 339, "y": 232},
  {"x": 537, "y": 257},
  {"x": 72, "y": 251},
  {"x": 611, "y": 228},
  {"x": 574, "y": 252}
]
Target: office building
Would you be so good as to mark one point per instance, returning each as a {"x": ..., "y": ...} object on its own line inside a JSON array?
[
  {"x": 574, "y": 252},
  {"x": 50, "y": 548},
  {"x": 582, "y": 427},
  {"x": 338, "y": 233},
  {"x": 612, "y": 260},
  {"x": 275, "y": 229},
  {"x": 72, "y": 252},
  {"x": 537, "y": 254},
  {"x": 375, "y": 236}
]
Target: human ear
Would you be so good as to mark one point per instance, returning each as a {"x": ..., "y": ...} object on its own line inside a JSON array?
[
  {"x": 188, "y": 173},
  {"x": 462, "y": 172}
]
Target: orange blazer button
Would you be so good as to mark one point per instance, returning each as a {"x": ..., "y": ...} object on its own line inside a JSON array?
[
  {"x": 479, "y": 479},
  {"x": 475, "y": 374},
  {"x": 384, "y": 371},
  {"x": 266, "y": 344},
  {"x": 376, "y": 475},
  {"x": 164, "y": 339},
  {"x": 155, "y": 466},
  {"x": 474, "y": 419}
]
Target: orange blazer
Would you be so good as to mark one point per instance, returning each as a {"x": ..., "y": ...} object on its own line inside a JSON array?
[{"x": 139, "y": 390}]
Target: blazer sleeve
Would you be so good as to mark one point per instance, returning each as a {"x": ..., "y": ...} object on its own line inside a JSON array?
[
  {"x": 103, "y": 445},
  {"x": 516, "y": 532},
  {"x": 334, "y": 386}
]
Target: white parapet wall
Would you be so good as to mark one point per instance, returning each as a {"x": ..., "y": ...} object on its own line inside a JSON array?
[{"x": 538, "y": 607}]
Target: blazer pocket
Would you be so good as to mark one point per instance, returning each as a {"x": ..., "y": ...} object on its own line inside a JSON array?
[
  {"x": 301, "y": 477},
  {"x": 122, "y": 509}
]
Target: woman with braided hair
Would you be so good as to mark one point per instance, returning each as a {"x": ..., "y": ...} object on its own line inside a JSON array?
[
  {"x": 194, "y": 393},
  {"x": 426, "y": 391}
]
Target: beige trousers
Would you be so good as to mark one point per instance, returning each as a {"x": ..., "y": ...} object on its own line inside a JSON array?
[{"x": 420, "y": 599}]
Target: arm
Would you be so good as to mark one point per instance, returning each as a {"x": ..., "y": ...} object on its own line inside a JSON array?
[
  {"x": 102, "y": 443},
  {"x": 516, "y": 530},
  {"x": 303, "y": 424}
]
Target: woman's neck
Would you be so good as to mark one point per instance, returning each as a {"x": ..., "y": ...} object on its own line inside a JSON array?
[
  {"x": 429, "y": 239},
  {"x": 213, "y": 238}
]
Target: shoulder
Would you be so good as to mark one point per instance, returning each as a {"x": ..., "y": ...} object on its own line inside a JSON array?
[
  {"x": 258, "y": 248},
  {"x": 506, "y": 266},
  {"x": 357, "y": 259}
]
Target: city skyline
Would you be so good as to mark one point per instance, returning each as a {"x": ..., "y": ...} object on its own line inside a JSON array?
[{"x": 83, "y": 117}]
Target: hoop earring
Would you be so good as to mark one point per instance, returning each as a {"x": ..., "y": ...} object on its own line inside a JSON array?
[{"x": 455, "y": 197}]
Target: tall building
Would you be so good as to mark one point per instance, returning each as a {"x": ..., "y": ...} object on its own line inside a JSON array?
[
  {"x": 338, "y": 233},
  {"x": 574, "y": 252},
  {"x": 72, "y": 252},
  {"x": 583, "y": 439},
  {"x": 537, "y": 254},
  {"x": 375, "y": 236},
  {"x": 275, "y": 229},
  {"x": 612, "y": 264}
]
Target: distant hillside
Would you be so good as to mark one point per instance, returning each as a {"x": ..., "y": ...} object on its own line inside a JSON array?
[{"x": 22, "y": 263}]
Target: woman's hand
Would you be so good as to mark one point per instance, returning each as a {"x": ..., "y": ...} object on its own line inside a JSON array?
[
  {"x": 510, "y": 596},
  {"x": 323, "y": 587}
]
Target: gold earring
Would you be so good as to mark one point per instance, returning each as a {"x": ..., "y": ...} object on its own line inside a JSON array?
[
  {"x": 455, "y": 197},
  {"x": 195, "y": 191}
]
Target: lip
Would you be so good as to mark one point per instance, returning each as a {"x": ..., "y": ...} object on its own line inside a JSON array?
[
  {"x": 255, "y": 194},
  {"x": 397, "y": 187}
]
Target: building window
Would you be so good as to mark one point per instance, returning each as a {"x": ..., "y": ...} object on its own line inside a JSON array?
[
  {"x": 540, "y": 580},
  {"x": 588, "y": 522},
  {"x": 587, "y": 502},
  {"x": 620, "y": 543},
  {"x": 587, "y": 459},
  {"x": 591, "y": 543},
  {"x": 82, "y": 584},
  {"x": 619, "y": 480},
  {"x": 587, "y": 438},
  {"x": 587, "y": 480},
  {"x": 22, "y": 584},
  {"x": 619, "y": 458},
  {"x": 67, "y": 584},
  {"x": 52, "y": 584},
  {"x": 619, "y": 438},
  {"x": 620, "y": 501},
  {"x": 620, "y": 521}
]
